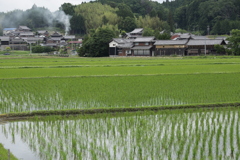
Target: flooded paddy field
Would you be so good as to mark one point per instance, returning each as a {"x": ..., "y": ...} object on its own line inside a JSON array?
[
  {"x": 57, "y": 84},
  {"x": 181, "y": 134}
]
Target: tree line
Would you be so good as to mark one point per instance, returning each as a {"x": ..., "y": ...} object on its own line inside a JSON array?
[{"x": 220, "y": 16}]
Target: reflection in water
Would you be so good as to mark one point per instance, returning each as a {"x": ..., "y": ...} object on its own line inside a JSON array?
[{"x": 201, "y": 135}]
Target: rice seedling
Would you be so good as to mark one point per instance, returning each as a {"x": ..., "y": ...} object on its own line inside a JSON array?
[{"x": 166, "y": 135}]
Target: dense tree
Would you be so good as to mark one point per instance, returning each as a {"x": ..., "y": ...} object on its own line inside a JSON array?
[
  {"x": 97, "y": 44},
  {"x": 234, "y": 41},
  {"x": 128, "y": 24},
  {"x": 68, "y": 8},
  {"x": 148, "y": 32},
  {"x": 77, "y": 24},
  {"x": 219, "y": 49},
  {"x": 93, "y": 14},
  {"x": 124, "y": 11}
]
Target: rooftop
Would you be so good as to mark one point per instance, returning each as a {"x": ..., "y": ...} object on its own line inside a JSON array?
[
  {"x": 194, "y": 42},
  {"x": 4, "y": 38},
  {"x": 142, "y": 47},
  {"x": 137, "y": 30},
  {"x": 24, "y": 27},
  {"x": 9, "y": 29},
  {"x": 170, "y": 42},
  {"x": 144, "y": 39}
]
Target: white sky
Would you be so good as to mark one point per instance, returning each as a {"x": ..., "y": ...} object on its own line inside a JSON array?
[{"x": 52, "y": 5}]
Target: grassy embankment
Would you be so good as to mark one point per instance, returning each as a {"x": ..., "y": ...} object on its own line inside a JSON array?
[{"x": 4, "y": 154}]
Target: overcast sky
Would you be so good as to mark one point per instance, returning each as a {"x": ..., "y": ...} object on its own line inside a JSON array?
[{"x": 52, "y": 5}]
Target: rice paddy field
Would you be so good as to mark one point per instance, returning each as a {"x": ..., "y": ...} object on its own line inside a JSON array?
[{"x": 30, "y": 84}]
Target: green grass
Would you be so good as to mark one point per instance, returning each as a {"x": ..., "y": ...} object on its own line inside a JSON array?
[
  {"x": 21, "y": 95},
  {"x": 13, "y": 53},
  {"x": 74, "y": 67},
  {"x": 29, "y": 84},
  {"x": 4, "y": 154}
]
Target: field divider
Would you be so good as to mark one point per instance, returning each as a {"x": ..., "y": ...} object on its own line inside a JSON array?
[
  {"x": 25, "y": 115},
  {"x": 120, "y": 75}
]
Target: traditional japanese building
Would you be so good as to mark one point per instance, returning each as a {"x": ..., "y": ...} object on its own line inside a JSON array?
[
  {"x": 197, "y": 47},
  {"x": 170, "y": 47},
  {"x": 143, "y": 46}
]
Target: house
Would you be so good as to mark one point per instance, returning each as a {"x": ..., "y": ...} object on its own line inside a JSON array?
[
  {"x": 56, "y": 34},
  {"x": 26, "y": 34},
  {"x": 170, "y": 47},
  {"x": 7, "y": 31},
  {"x": 75, "y": 44},
  {"x": 17, "y": 44},
  {"x": 135, "y": 33},
  {"x": 125, "y": 49},
  {"x": 31, "y": 40},
  {"x": 43, "y": 33},
  {"x": 197, "y": 47},
  {"x": 23, "y": 29},
  {"x": 4, "y": 42},
  {"x": 69, "y": 37},
  {"x": 117, "y": 45},
  {"x": 143, "y": 46}
]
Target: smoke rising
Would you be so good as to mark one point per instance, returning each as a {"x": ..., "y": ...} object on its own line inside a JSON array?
[
  {"x": 63, "y": 18},
  {"x": 36, "y": 17}
]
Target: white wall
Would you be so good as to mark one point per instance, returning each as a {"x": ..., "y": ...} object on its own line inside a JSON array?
[{"x": 113, "y": 44}]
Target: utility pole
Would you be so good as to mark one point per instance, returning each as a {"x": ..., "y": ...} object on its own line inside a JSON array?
[
  {"x": 30, "y": 48},
  {"x": 208, "y": 29}
]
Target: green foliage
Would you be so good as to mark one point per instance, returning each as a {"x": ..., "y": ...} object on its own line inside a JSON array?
[
  {"x": 148, "y": 32},
  {"x": 77, "y": 24},
  {"x": 41, "y": 49},
  {"x": 234, "y": 41},
  {"x": 128, "y": 24},
  {"x": 68, "y": 8},
  {"x": 124, "y": 11},
  {"x": 63, "y": 50},
  {"x": 4, "y": 154},
  {"x": 219, "y": 49},
  {"x": 8, "y": 49},
  {"x": 191, "y": 13},
  {"x": 93, "y": 14},
  {"x": 153, "y": 23},
  {"x": 97, "y": 44},
  {"x": 163, "y": 36},
  {"x": 179, "y": 30}
]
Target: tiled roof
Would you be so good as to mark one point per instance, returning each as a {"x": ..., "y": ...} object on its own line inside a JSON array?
[
  {"x": 203, "y": 42},
  {"x": 137, "y": 30},
  {"x": 3, "y": 38},
  {"x": 200, "y": 37},
  {"x": 125, "y": 45},
  {"x": 142, "y": 47},
  {"x": 119, "y": 40},
  {"x": 69, "y": 37},
  {"x": 144, "y": 39},
  {"x": 24, "y": 27},
  {"x": 170, "y": 42},
  {"x": 26, "y": 33}
]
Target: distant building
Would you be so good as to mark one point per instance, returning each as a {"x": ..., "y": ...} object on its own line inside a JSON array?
[
  {"x": 24, "y": 29},
  {"x": 197, "y": 47},
  {"x": 7, "y": 31},
  {"x": 43, "y": 33},
  {"x": 143, "y": 46},
  {"x": 135, "y": 33},
  {"x": 4, "y": 42},
  {"x": 170, "y": 47}
]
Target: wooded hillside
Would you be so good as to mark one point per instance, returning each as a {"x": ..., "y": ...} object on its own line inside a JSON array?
[{"x": 220, "y": 16}]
